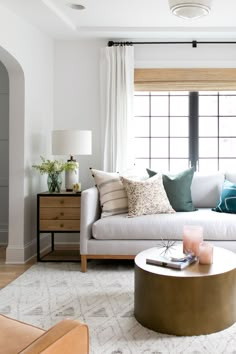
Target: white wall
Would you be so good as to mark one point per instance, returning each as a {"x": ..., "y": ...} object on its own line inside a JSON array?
[
  {"x": 28, "y": 57},
  {"x": 76, "y": 95},
  {"x": 4, "y": 153}
]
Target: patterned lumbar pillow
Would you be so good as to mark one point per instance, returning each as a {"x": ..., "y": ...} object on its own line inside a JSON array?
[
  {"x": 146, "y": 197},
  {"x": 113, "y": 196},
  {"x": 227, "y": 202}
]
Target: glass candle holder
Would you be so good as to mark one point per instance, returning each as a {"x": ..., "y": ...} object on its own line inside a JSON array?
[
  {"x": 205, "y": 253},
  {"x": 192, "y": 237}
]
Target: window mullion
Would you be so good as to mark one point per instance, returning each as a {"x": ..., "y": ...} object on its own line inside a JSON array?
[{"x": 193, "y": 128}]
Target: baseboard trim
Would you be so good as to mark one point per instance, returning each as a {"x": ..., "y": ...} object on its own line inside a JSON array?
[
  {"x": 15, "y": 255},
  {"x": 22, "y": 255}
]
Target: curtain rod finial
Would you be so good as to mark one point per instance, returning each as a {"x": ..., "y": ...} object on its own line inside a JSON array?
[{"x": 110, "y": 44}]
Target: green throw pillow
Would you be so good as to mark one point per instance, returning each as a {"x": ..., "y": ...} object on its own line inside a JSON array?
[
  {"x": 178, "y": 189},
  {"x": 227, "y": 202}
]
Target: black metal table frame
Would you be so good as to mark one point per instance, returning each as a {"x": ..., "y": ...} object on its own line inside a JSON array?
[{"x": 39, "y": 258}]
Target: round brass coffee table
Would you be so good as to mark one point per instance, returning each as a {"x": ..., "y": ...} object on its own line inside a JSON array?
[{"x": 200, "y": 299}]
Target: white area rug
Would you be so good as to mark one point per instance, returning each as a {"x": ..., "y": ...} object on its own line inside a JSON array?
[{"x": 104, "y": 299}]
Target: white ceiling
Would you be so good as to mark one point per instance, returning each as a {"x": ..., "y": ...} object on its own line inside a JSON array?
[{"x": 124, "y": 19}]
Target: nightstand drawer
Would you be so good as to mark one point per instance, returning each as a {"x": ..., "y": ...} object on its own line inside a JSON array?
[
  {"x": 59, "y": 213},
  {"x": 59, "y": 225},
  {"x": 65, "y": 202}
]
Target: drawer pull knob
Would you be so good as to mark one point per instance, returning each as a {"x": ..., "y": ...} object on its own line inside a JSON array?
[
  {"x": 62, "y": 201},
  {"x": 62, "y": 225},
  {"x": 62, "y": 214}
]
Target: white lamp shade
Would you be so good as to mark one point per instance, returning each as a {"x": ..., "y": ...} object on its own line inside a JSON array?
[{"x": 71, "y": 142}]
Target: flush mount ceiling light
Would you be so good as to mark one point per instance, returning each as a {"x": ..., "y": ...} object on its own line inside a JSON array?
[{"x": 190, "y": 9}]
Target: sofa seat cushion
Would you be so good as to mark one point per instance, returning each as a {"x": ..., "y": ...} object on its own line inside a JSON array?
[
  {"x": 16, "y": 335},
  {"x": 216, "y": 226}
]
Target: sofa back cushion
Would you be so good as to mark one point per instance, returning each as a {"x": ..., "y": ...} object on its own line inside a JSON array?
[
  {"x": 230, "y": 176},
  {"x": 206, "y": 189}
]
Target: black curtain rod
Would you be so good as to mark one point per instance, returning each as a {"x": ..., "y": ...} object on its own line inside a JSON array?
[{"x": 193, "y": 43}]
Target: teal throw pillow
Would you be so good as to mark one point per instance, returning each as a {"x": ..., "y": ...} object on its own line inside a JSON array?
[
  {"x": 227, "y": 202},
  {"x": 178, "y": 189}
]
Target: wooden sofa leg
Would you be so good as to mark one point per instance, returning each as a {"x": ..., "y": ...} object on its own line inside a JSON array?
[{"x": 83, "y": 263}]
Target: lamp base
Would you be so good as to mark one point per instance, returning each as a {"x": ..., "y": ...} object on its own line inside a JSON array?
[{"x": 71, "y": 178}]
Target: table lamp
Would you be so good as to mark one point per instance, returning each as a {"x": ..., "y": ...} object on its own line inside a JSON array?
[{"x": 71, "y": 142}]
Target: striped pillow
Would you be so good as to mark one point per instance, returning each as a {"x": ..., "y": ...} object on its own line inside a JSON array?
[{"x": 113, "y": 196}]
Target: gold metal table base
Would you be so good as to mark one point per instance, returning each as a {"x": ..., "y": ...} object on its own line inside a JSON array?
[{"x": 200, "y": 299}]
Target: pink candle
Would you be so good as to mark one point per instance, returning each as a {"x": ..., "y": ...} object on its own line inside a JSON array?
[
  {"x": 192, "y": 237},
  {"x": 205, "y": 253}
]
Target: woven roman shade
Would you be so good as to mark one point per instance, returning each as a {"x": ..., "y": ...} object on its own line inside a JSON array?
[{"x": 185, "y": 79}]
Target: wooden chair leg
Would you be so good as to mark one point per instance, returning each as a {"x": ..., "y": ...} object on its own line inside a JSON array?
[{"x": 83, "y": 263}]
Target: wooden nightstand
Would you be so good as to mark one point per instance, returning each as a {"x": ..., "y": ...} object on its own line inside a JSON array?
[{"x": 57, "y": 213}]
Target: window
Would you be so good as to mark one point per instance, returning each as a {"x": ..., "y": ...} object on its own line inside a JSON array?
[
  {"x": 217, "y": 130},
  {"x": 176, "y": 129}
]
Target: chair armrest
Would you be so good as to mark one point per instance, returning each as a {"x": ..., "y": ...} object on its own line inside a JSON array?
[
  {"x": 67, "y": 336},
  {"x": 90, "y": 212}
]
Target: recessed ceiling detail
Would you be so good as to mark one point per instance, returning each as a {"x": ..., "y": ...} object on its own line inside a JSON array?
[
  {"x": 113, "y": 19},
  {"x": 60, "y": 13}
]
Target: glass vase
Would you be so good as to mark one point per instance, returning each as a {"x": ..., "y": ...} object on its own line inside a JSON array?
[{"x": 54, "y": 182}]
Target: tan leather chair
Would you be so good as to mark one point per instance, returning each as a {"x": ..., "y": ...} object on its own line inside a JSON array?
[{"x": 66, "y": 337}]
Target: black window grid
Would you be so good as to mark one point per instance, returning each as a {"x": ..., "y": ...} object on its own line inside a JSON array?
[{"x": 192, "y": 140}]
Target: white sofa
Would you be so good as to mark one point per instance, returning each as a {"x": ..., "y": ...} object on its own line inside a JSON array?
[{"x": 120, "y": 237}]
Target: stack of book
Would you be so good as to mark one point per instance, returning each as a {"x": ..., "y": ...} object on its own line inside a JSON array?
[{"x": 172, "y": 262}]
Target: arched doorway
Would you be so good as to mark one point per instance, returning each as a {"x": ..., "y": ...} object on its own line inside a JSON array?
[
  {"x": 4, "y": 159},
  {"x": 16, "y": 158}
]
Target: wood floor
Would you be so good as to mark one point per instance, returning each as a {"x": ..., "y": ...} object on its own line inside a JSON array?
[{"x": 9, "y": 272}]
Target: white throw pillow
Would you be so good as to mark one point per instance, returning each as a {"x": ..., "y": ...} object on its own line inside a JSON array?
[
  {"x": 113, "y": 196},
  {"x": 147, "y": 197}
]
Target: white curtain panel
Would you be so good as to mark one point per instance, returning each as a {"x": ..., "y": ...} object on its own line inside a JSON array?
[{"x": 117, "y": 89}]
